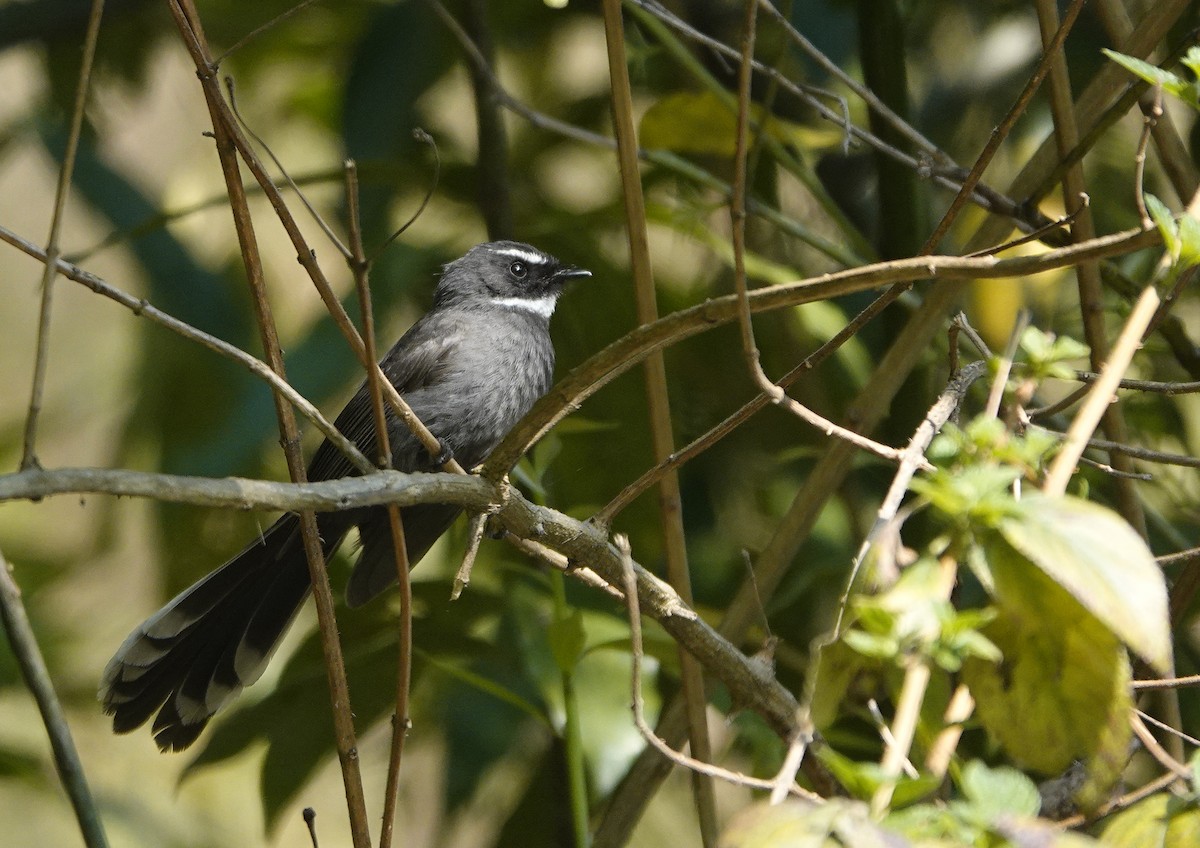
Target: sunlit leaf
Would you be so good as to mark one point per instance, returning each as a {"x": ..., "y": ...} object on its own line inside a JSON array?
[
  {"x": 1046, "y": 635},
  {"x": 1171, "y": 83},
  {"x": 1097, "y": 557},
  {"x": 1160, "y": 821}
]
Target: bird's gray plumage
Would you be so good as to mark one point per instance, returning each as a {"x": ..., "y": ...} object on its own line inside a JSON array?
[{"x": 470, "y": 369}]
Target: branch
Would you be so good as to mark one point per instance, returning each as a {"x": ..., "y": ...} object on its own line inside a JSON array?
[
  {"x": 37, "y": 677},
  {"x": 749, "y": 682},
  {"x": 626, "y": 352},
  {"x": 257, "y": 367}
]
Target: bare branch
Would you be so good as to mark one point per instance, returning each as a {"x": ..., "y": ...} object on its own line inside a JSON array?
[{"x": 37, "y": 677}]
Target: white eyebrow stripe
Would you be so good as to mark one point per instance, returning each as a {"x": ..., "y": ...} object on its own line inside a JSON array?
[
  {"x": 518, "y": 253},
  {"x": 542, "y": 306}
]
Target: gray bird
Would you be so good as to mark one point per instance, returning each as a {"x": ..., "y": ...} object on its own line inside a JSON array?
[{"x": 470, "y": 368}]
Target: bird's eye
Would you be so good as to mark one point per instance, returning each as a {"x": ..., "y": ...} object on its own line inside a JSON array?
[{"x": 518, "y": 270}]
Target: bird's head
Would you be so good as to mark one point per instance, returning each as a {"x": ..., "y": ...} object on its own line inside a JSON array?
[{"x": 506, "y": 274}]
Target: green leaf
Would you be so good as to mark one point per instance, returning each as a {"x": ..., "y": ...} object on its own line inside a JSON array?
[
  {"x": 1171, "y": 83},
  {"x": 1062, "y": 692},
  {"x": 835, "y": 667},
  {"x": 994, "y": 792},
  {"x": 862, "y": 779},
  {"x": 976, "y": 492},
  {"x": 872, "y": 645},
  {"x": 704, "y": 123},
  {"x": 1165, "y": 222},
  {"x": 1097, "y": 557},
  {"x": 1189, "y": 240},
  {"x": 1191, "y": 60},
  {"x": 1160, "y": 821}
]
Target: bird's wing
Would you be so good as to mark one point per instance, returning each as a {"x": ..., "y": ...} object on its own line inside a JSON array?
[{"x": 419, "y": 360}]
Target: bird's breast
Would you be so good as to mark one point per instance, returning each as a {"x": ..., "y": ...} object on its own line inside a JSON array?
[{"x": 499, "y": 370}]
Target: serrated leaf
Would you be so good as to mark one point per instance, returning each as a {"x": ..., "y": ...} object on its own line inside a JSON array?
[
  {"x": 994, "y": 792},
  {"x": 1097, "y": 557}
]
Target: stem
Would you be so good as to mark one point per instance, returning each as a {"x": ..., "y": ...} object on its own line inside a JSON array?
[
  {"x": 49, "y": 272},
  {"x": 573, "y": 730},
  {"x": 659, "y": 403},
  {"x": 37, "y": 677}
]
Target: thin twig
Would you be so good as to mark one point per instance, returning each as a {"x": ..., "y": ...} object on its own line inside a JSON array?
[
  {"x": 1135, "y": 452},
  {"x": 49, "y": 270},
  {"x": 1101, "y": 394},
  {"x": 912, "y": 460},
  {"x": 639, "y": 718},
  {"x": 360, "y": 270},
  {"x": 937, "y": 760},
  {"x": 1126, "y": 800},
  {"x": 1158, "y": 387},
  {"x": 32, "y": 665},
  {"x": 1155, "y": 749},
  {"x": 1162, "y": 725},
  {"x": 1139, "y": 158},
  {"x": 462, "y": 577},
  {"x": 1188, "y": 555},
  {"x": 908, "y": 705},
  {"x": 1091, "y": 305},
  {"x": 310, "y": 821},
  {"x": 259, "y": 30},
  {"x": 964, "y": 326},
  {"x": 318, "y": 219},
  {"x": 992, "y": 408},
  {"x": 425, "y": 138},
  {"x": 142, "y": 308}
]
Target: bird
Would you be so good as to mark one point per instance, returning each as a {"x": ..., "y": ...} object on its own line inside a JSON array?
[{"x": 470, "y": 368}]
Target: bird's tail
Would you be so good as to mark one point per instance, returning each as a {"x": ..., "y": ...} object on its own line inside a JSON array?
[{"x": 211, "y": 641}]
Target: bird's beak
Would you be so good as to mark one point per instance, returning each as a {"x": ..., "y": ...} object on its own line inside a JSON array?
[{"x": 568, "y": 272}]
